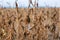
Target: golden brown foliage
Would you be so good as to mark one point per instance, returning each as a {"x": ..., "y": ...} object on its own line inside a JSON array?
[{"x": 30, "y": 24}]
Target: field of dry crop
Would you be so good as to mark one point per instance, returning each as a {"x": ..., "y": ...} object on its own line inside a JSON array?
[{"x": 30, "y": 24}]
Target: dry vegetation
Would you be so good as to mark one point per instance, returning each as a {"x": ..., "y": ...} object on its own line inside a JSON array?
[{"x": 30, "y": 24}]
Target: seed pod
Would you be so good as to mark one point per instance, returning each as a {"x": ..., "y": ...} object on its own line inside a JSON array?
[{"x": 28, "y": 19}]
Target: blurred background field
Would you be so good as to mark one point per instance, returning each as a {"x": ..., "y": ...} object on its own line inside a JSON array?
[
  {"x": 30, "y": 24},
  {"x": 29, "y": 20}
]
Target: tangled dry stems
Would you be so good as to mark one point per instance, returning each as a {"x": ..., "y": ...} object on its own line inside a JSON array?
[{"x": 39, "y": 24}]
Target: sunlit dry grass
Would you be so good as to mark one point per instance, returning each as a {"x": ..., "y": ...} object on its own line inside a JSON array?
[{"x": 30, "y": 24}]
